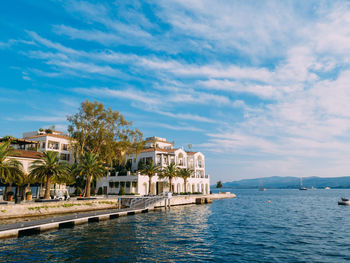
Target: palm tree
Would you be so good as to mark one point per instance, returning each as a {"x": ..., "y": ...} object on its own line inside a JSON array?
[
  {"x": 171, "y": 172},
  {"x": 10, "y": 169},
  {"x": 91, "y": 167},
  {"x": 185, "y": 173},
  {"x": 23, "y": 183},
  {"x": 150, "y": 169},
  {"x": 48, "y": 169}
]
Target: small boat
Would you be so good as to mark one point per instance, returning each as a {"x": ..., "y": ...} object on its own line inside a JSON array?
[
  {"x": 261, "y": 188},
  {"x": 327, "y": 188},
  {"x": 301, "y": 187},
  {"x": 344, "y": 201}
]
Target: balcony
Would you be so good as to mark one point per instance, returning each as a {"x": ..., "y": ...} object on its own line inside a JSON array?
[{"x": 53, "y": 145}]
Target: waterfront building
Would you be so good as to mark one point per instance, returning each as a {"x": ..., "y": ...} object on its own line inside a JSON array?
[
  {"x": 25, "y": 151},
  {"x": 162, "y": 153},
  {"x": 49, "y": 140}
]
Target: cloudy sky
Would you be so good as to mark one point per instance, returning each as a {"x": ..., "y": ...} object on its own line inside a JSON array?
[{"x": 262, "y": 88}]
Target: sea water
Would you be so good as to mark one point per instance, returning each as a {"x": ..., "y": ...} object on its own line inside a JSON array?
[{"x": 270, "y": 226}]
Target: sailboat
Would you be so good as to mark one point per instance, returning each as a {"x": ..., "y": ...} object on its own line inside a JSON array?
[
  {"x": 301, "y": 187},
  {"x": 261, "y": 188}
]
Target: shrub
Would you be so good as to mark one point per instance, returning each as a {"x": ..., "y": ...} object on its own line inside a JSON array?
[
  {"x": 29, "y": 193},
  {"x": 78, "y": 191},
  {"x": 122, "y": 191},
  {"x": 123, "y": 172}
]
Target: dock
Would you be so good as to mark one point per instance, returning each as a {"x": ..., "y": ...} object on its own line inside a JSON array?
[{"x": 67, "y": 221}]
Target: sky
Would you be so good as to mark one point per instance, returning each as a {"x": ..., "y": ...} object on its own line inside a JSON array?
[{"x": 262, "y": 88}]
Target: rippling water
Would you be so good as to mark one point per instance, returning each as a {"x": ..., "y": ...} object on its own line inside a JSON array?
[{"x": 295, "y": 226}]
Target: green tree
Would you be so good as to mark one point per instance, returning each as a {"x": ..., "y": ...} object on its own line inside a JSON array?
[
  {"x": 23, "y": 182},
  {"x": 10, "y": 169},
  {"x": 185, "y": 173},
  {"x": 102, "y": 132},
  {"x": 219, "y": 184},
  {"x": 141, "y": 165},
  {"x": 70, "y": 177},
  {"x": 48, "y": 169},
  {"x": 90, "y": 167},
  {"x": 150, "y": 170},
  {"x": 170, "y": 172}
]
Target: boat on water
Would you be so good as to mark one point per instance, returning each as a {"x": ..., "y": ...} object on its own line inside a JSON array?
[
  {"x": 261, "y": 188},
  {"x": 301, "y": 187},
  {"x": 344, "y": 201},
  {"x": 327, "y": 188}
]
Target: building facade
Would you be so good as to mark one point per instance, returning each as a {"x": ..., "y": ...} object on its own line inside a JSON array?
[
  {"x": 161, "y": 153},
  {"x": 53, "y": 141}
]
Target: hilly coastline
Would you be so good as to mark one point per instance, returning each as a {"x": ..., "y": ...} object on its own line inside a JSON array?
[{"x": 277, "y": 182}]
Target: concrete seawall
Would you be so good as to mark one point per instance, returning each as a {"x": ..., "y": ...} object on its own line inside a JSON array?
[
  {"x": 41, "y": 209},
  {"x": 102, "y": 209},
  {"x": 39, "y": 226},
  {"x": 191, "y": 199}
]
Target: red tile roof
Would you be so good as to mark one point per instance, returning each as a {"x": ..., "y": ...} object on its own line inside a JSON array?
[
  {"x": 25, "y": 154},
  {"x": 51, "y": 135}
]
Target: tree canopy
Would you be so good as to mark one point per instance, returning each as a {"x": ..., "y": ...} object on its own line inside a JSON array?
[
  {"x": 104, "y": 132},
  {"x": 219, "y": 184}
]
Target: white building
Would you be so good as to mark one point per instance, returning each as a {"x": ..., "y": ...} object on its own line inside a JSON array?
[
  {"x": 162, "y": 153},
  {"x": 51, "y": 141}
]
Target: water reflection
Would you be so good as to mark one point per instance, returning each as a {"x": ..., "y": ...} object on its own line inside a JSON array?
[{"x": 295, "y": 226}]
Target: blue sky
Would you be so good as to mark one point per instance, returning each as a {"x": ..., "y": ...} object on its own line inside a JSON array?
[{"x": 260, "y": 87}]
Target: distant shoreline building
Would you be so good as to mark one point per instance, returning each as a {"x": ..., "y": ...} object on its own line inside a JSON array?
[{"x": 161, "y": 153}]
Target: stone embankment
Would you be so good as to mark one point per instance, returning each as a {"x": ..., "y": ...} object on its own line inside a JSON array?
[
  {"x": 32, "y": 209},
  {"x": 193, "y": 199},
  {"x": 99, "y": 210}
]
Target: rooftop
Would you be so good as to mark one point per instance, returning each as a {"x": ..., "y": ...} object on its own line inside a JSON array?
[
  {"x": 26, "y": 154},
  {"x": 49, "y": 134}
]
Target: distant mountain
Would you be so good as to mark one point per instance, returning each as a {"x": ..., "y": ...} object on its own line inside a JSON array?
[{"x": 277, "y": 182}]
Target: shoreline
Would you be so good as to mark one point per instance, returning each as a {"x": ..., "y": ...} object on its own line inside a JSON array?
[
  {"x": 96, "y": 212},
  {"x": 32, "y": 209}
]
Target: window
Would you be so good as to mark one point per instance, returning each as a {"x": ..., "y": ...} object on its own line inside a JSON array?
[
  {"x": 43, "y": 145},
  {"x": 64, "y": 157},
  {"x": 53, "y": 145},
  {"x": 65, "y": 147}
]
